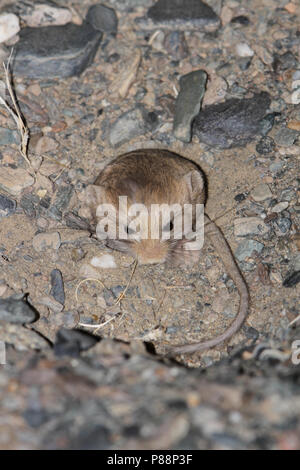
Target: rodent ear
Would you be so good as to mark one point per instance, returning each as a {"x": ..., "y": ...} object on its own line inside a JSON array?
[
  {"x": 90, "y": 198},
  {"x": 131, "y": 187},
  {"x": 195, "y": 184}
]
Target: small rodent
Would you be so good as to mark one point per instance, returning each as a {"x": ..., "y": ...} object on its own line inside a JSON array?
[{"x": 155, "y": 176}]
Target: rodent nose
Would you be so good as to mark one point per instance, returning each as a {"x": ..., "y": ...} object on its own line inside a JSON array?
[{"x": 145, "y": 260}]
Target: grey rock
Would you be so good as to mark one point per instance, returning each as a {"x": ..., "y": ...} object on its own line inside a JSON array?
[
  {"x": 285, "y": 137},
  {"x": 73, "y": 342},
  {"x": 56, "y": 51},
  {"x": 287, "y": 194},
  {"x": 180, "y": 15},
  {"x": 8, "y": 136},
  {"x": 16, "y": 310},
  {"x": 265, "y": 145},
  {"x": 295, "y": 262},
  {"x": 281, "y": 206},
  {"x": 57, "y": 286},
  {"x": 102, "y": 18},
  {"x": 127, "y": 126},
  {"x": 232, "y": 123},
  {"x": 192, "y": 89},
  {"x": 7, "y": 206},
  {"x": 246, "y": 248}
]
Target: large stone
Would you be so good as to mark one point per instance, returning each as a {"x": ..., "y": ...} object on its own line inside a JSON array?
[
  {"x": 180, "y": 15},
  {"x": 56, "y": 51},
  {"x": 232, "y": 123},
  {"x": 192, "y": 88}
]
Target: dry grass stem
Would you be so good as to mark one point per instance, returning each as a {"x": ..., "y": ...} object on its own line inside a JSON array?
[{"x": 16, "y": 113}]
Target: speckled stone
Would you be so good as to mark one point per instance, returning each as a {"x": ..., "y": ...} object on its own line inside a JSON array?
[{"x": 232, "y": 123}]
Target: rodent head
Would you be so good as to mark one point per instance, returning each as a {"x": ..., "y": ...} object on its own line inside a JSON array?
[{"x": 162, "y": 190}]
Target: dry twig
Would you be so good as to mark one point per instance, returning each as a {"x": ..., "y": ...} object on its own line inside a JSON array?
[{"x": 16, "y": 113}]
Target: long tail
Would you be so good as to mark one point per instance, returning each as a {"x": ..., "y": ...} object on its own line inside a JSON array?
[{"x": 222, "y": 248}]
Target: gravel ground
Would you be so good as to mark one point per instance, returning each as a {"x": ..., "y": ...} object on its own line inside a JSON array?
[{"x": 66, "y": 385}]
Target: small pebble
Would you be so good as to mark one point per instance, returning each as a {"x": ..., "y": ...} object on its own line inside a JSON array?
[
  {"x": 246, "y": 248},
  {"x": 284, "y": 224},
  {"x": 45, "y": 144},
  {"x": 219, "y": 301},
  {"x": 249, "y": 226},
  {"x": 265, "y": 145},
  {"x": 285, "y": 137},
  {"x": 127, "y": 126},
  {"x": 57, "y": 286},
  {"x": 52, "y": 304},
  {"x": 44, "y": 241},
  {"x": 281, "y": 206},
  {"x": 275, "y": 167},
  {"x": 243, "y": 50},
  {"x": 105, "y": 261},
  {"x": 261, "y": 193},
  {"x": 87, "y": 271},
  {"x": 292, "y": 279}
]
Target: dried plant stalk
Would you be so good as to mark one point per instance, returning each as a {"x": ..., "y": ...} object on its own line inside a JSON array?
[{"x": 16, "y": 113}]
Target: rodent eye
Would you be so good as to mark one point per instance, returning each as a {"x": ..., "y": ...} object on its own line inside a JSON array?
[
  {"x": 169, "y": 226},
  {"x": 129, "y": 230}
]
